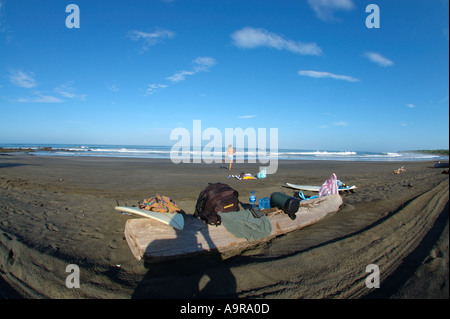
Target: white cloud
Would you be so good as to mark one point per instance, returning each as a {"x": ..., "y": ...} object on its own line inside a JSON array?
[
  {"x": 201, "y": 64},
  {"x": 26, "y": 80},
  {"x": 4, "y": 28},
  {"x": 443, "y": 100},
  {"x": 179, "y": 76},
  {"x": 340, "y": 123},
  {"x": 114, "y": 88},
  {"x": 153, "y": 88},
  {"x": 410, "y": 105},
  {"x": 1, "y": 11},
  {"x": 378, "y": 59},
  {"x": 150, "y": 38},
  {"x": 39, "y": 99},
  {"x": 204, "y": 63},
  {"x": 324, "y": 9},
  {"x": 68, "y": 91},
  {"x": 317, "y": 75},
  {"x": 246, "y": 116},
  {"x": 22, "y": 79},
  {"x": 250, "y": 38}
]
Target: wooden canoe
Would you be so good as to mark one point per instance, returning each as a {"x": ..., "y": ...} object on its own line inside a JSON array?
[
  {"x": 155, "y": 241},
  {"x": 441, "y": 165}
]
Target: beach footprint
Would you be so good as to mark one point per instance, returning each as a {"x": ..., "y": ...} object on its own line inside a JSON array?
[{"x": 52, "y": 227}]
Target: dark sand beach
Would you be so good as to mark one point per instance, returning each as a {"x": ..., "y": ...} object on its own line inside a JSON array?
[{"x": 57, "y": 211}]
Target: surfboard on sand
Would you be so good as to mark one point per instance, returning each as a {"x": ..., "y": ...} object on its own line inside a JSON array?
[
  {"x": 316, "y": 188},
  {"x": 176, "y": 220}
]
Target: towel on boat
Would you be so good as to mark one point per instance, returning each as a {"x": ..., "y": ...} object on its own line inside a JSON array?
[{"x": 242, "y": 224}]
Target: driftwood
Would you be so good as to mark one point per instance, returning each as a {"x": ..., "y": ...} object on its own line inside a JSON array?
[
  {"x": 154, "y": 241},
  {"x": 399, "y": 170}
]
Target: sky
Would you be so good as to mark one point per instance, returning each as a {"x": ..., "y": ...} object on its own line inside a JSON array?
[{"x": 324, "y": 73}]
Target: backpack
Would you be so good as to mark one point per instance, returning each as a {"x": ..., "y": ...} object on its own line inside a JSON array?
[{"x": 216, "y": 198}]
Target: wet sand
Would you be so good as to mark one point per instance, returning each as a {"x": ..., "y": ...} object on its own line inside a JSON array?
[{"x": 57, "y": 211}]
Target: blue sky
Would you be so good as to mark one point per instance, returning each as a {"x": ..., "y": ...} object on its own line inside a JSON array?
[{"x": 135, "y": 70}]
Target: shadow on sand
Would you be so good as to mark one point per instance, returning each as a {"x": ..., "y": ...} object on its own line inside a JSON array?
[
  {"x": 6, "y": 165},
  {"x": 197, "y": 276}
]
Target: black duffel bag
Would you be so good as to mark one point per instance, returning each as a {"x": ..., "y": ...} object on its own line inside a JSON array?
[{"x": 217, "y": 197}]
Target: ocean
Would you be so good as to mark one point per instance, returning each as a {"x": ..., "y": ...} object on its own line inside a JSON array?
[{"x": 168, "y": 152}]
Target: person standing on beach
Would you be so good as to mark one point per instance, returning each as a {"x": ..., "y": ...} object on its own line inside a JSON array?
[{"x": 230, "y": 154}]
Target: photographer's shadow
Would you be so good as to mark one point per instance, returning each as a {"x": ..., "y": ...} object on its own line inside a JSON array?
[{"x": 201, "y": 275}]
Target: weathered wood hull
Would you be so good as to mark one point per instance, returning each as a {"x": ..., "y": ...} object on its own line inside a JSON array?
[
  {"x": 441, "y": 165},
  {"x": 155, "y": 241}
]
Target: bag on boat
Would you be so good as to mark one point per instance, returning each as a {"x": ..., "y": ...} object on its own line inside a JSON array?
[
  {"x": 217, "y": 197},
  {"x": 286, "y": 203},
  {"x": 330, "y": 187},
  {"x": 262, "y": 173}
]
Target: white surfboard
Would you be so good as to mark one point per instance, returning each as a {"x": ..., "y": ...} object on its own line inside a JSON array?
[
  {"x": 317, "y": 188},
  {"x": 176, "y": 220}
]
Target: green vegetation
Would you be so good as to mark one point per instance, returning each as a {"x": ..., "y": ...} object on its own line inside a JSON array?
[
  {"x": 12, "y": 150},
  {"x": 30, "y": 150},
  {"x": 27, "y": 150},
  {"x": 434, "y": 152}
]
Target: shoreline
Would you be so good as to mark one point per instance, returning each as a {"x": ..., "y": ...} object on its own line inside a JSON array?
[
  {"x": 166, "y": 153},
  {"x": 59, "y": 210}
]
